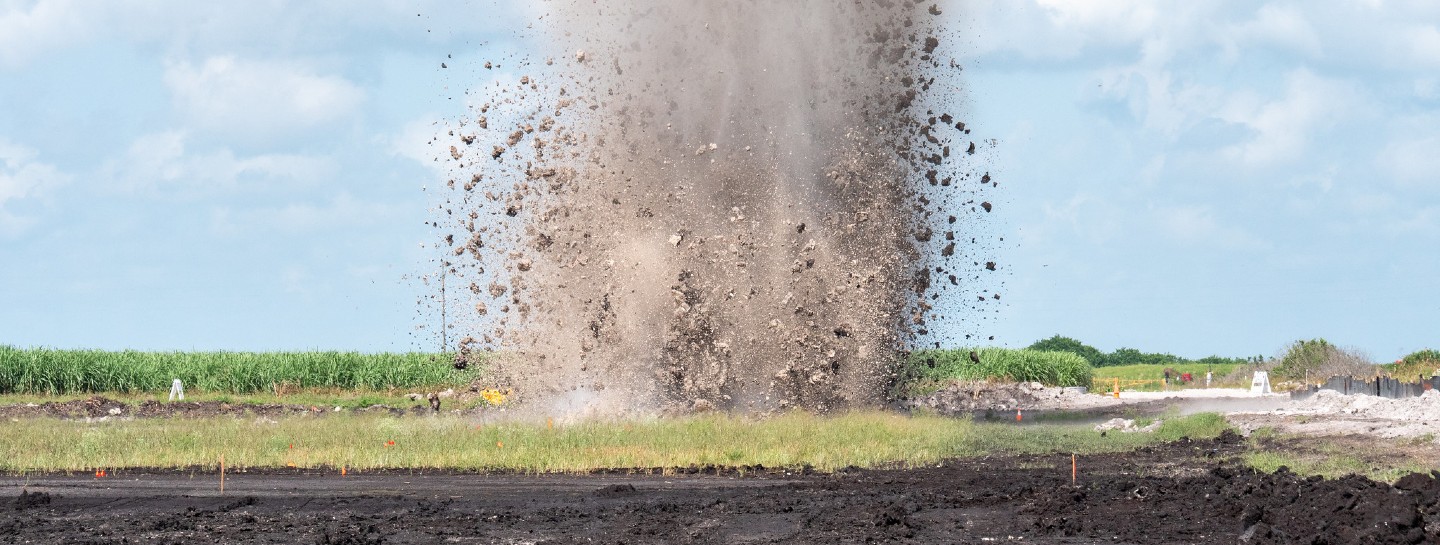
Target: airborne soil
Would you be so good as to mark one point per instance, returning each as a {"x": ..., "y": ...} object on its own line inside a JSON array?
[{"x": 1182, "y": 492}]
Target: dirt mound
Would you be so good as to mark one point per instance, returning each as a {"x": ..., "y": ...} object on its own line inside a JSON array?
[
  {"x": 351, "y": 535},
  {"x": 1426, "y": 407},
  {"x": 968, "y": 397},
  {"x": 92, "y": 407},
  {"x": 1261, "y": 508},
  {"x": 28, "y": 499},
  {"x": 616, "y": 491}
]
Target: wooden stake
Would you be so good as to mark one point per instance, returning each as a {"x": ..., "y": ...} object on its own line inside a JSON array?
[
  {"x": 222, "y": 474},
  {"x": 1073, "y": 469}
]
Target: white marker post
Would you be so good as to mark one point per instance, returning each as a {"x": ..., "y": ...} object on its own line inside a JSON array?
[
  {"x": 1260, "y": 384},
  {"x": 177, "y": 389}
]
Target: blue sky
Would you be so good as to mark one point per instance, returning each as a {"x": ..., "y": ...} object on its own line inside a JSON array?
[{"x": 1192, "y": 177}]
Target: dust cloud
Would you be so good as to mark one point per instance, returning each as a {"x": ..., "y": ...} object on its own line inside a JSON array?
[{"x": 712, "y": 205}]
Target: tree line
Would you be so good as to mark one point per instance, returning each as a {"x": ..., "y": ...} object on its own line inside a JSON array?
[{"x": 1127, "y": 356}]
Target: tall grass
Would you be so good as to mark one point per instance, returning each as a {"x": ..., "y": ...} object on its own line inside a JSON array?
[
  {"x": 1049, "y": 368},
  {"x": 50, "y": 371},
  {"x": 1153, "y": 375},
  {"x": 865, "y": 439}
]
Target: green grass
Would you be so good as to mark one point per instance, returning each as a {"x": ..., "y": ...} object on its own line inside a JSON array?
[
  {"x": 50, "y": 371},
  {"x": 864, "y": 439},
  {"x": 1333, "y": 465},
  {"x": 1104, "y": 376},
  {"x": 319, "y": 397},
  {"x": 931, "y": 367},
  {"x": 1379, "y": 459},
  {"x": 1415, "y": 369}
]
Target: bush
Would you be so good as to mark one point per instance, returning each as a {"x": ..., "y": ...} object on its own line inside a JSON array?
[
  {"x": 1422, "y": 356},
  {"x": 1048, "y": 368},
  {"x": 1122, "y": 356},
  {"x": 1319, "y": 359},
  {"x": 1066, "y": 344},
  {"x": 1420, "y": 364}
]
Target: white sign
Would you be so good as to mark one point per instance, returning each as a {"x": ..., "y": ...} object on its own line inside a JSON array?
[{"x": 1261, "y": 383}]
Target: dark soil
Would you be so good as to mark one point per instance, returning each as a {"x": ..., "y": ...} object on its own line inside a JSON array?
[{"x": 1183, "y": 492}]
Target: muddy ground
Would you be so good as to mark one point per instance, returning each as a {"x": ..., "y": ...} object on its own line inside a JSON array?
[{"x": 1183, "y": 492}]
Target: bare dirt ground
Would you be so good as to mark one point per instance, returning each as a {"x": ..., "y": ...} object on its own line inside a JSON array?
[
  {"x": 1183, "y": 492},
  {"x": 1332, "y": 413},
  {"x": 984, "y": 398},
  {"x": 1324, "y": 414}
]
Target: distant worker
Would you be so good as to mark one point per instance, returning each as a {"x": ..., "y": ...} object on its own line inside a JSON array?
[
  {"x": 1167, "y": 375},
  {"x": 1208, "y": 376},
  {"x": 434, "y": 402}
]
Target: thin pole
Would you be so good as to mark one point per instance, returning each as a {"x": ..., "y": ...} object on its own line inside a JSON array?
[{"x": 222, "y": 474}]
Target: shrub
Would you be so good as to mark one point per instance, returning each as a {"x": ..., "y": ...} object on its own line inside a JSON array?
[
  {"x": 1066, "y": 344},
  {"x": 1319, "y": 359},
  {"x": 1049, "y": 368},
  {"x": 1423, "y": 356},
  {"x": 1423, "y": 363}
]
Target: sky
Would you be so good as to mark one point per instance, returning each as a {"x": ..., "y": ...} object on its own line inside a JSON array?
[{"x": 1198, "y": 178}]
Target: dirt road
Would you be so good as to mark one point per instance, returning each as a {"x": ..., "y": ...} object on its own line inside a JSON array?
[{"x": 1185, "y": 492}]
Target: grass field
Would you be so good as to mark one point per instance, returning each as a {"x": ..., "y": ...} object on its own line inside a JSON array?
[
  {"x": 863, "y": 439},
  {"x": 319, "y": 397},
  {"x": 1332, "y": 457},
  {"x": 931, "y": 367},
  {"x": 1149, "y": 377},
  {"x": 48, "y": 371}
]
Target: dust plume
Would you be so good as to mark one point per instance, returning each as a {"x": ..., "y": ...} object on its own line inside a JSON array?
[{"x": 736, "y": 205}]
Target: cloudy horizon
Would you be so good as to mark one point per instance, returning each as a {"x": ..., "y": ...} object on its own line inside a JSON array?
[{"x": 1215, "y": 178}]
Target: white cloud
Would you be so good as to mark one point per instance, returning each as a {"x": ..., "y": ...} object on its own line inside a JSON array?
[
  {"x": 23, "y": 177},
  {"x": 1282, "y": 128},
  {"x": 1282, "y": 26},
  {"x": 297, "y": 218},
  {"x": 1197, "y": 225},
  {"x": 1424, "y": 45},
  {"x": 1423, "y": 222},
  {"x": 26, "y": 31},
  {"x": 1413, "y": 161},
  {"x": 162, "y": 162},
  {"x": 30, "y": 29},
  {"x": 1095, "y": 220},
  {"x": 230, "y": 95}
]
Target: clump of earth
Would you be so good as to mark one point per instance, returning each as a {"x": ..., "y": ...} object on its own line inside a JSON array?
[
  {"x": 967, "y": 397},
  {"x": 729, "y": 205}
]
